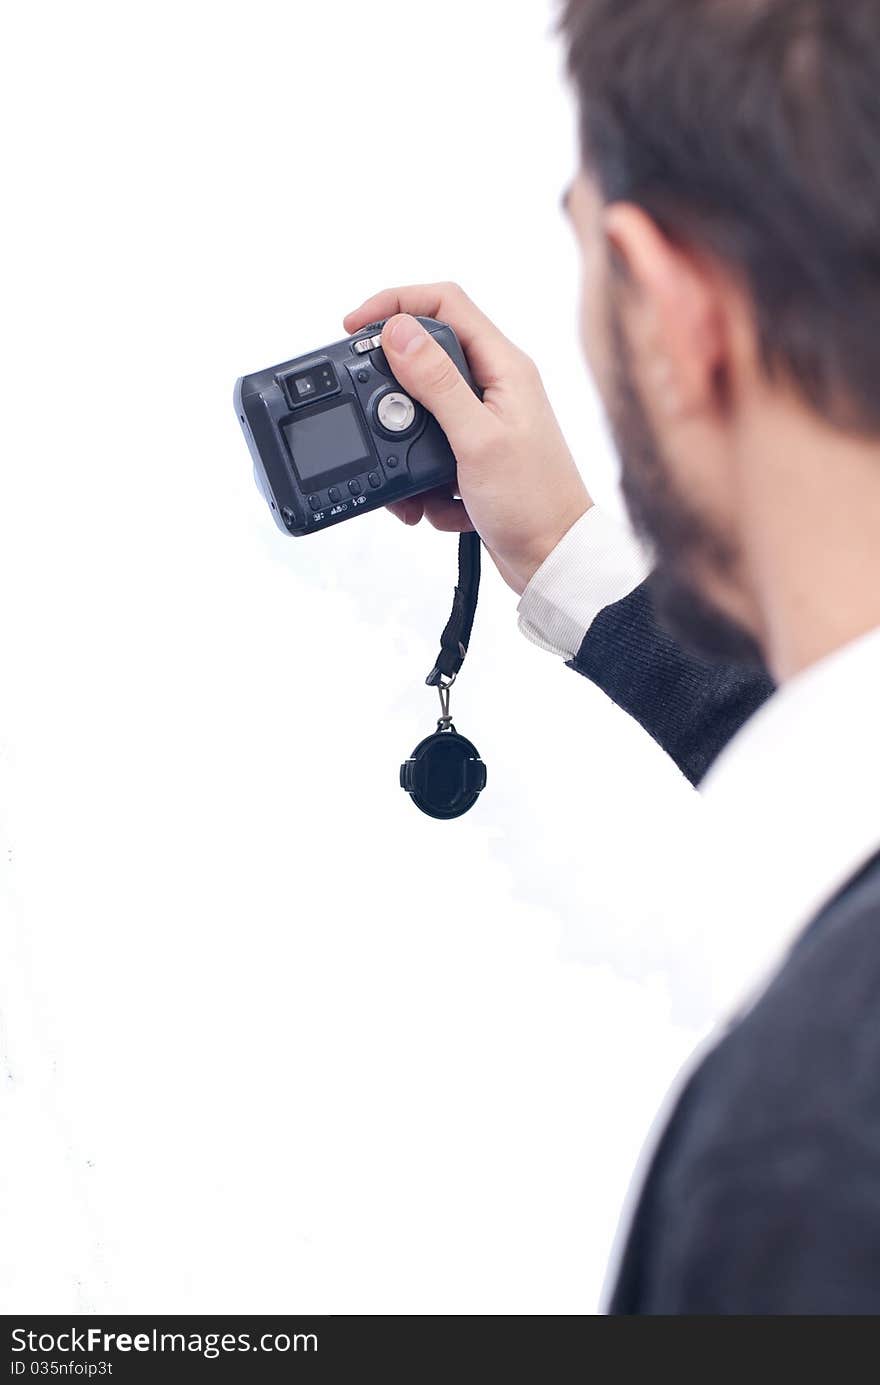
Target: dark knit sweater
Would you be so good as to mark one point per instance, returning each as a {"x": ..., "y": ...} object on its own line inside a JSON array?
[{"x": 692, "y": 708}]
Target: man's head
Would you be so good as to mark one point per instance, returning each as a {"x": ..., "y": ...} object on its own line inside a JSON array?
[{"x": 728, "y": 209}]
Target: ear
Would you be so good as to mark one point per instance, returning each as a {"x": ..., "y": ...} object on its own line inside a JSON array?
[{"x": 672, "y": 304}]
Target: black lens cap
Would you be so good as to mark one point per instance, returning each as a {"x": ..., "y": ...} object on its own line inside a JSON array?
[{"x": 444, "y": 776}]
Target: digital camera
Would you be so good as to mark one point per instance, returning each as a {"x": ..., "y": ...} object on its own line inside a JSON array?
[{"x": 333, "y": 435}]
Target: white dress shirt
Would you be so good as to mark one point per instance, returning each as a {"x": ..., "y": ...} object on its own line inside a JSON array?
[
  {"x": 597, "y": 563},
  {"x": 792, "y": 803}
]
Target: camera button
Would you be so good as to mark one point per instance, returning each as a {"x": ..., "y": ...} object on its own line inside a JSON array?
[
  {"x": 380, "y": 362},
  {"x": 364, "y": 344},
  {"x": 333, "y": 493},
  {"x": 396, "y": 412},
  {"x": 374, "y": 480},
  {"x": 355, "y": 487},
  {"x": 315, "y": 502},
  {"x": 391, "y": 461}
]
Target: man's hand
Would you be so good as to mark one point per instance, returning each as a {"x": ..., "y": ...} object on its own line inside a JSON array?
[{"x": 517, "y": 480}]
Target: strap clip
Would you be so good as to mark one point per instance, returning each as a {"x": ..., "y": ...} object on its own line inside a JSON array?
[{"x": 444, "y": 688}]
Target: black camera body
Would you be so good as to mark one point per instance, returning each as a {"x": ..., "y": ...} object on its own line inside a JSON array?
[{"x": 333, "y": 434}]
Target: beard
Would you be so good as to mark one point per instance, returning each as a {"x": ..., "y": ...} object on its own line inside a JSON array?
[{"x": 681, "y": 541}]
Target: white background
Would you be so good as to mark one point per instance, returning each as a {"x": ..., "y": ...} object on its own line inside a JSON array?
[{"x": 270, "y": 1039}]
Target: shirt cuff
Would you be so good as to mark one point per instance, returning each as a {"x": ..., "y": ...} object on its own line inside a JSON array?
[{"x": 599, "y": 562}]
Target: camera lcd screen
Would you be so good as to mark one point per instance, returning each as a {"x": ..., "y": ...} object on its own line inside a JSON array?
[{"x": 326, "y": 441}]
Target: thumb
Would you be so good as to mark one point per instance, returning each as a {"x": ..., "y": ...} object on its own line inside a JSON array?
[{"x": 431, "y": 376}]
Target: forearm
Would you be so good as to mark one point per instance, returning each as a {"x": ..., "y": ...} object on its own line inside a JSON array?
[
  {"x": 589, "y": 603},
  {"x": 691, "y": 708}
]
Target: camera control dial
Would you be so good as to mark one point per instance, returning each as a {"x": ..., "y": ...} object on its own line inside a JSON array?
[{"x": 396, "y": 412}]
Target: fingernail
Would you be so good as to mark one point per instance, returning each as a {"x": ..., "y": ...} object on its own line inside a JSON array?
[{"x": 407, "y": 335}]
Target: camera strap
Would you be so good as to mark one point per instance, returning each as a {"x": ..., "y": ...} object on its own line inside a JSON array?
[
  {"x": 456, "y": 637},
  {"x": 444, "y": 776}
]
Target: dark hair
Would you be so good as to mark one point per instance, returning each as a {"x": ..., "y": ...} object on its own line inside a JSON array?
[{"x": 751, "y": 128}]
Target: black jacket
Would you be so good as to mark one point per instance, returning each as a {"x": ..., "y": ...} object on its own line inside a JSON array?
[{"x": 764, "y": 1193}]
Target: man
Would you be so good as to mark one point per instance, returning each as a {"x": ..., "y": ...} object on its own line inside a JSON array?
[{"x": 728, "y": 211}]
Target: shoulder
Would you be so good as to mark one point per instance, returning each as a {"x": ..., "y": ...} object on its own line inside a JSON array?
[
  {"x": 804, "y": 1064},
  {"x": 764, "y": 1196}
]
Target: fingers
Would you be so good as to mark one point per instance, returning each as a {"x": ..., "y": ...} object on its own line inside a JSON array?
[
  {"x": 440, "y": 509},
  {"x": 489, "y": 352},
  {"x": 408, "y": 511},
  {"x": 446, "y": 513},
  {"x": 430, "y": 375}
]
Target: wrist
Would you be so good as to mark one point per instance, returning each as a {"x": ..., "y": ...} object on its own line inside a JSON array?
[{"x": 523, "y": 571}]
